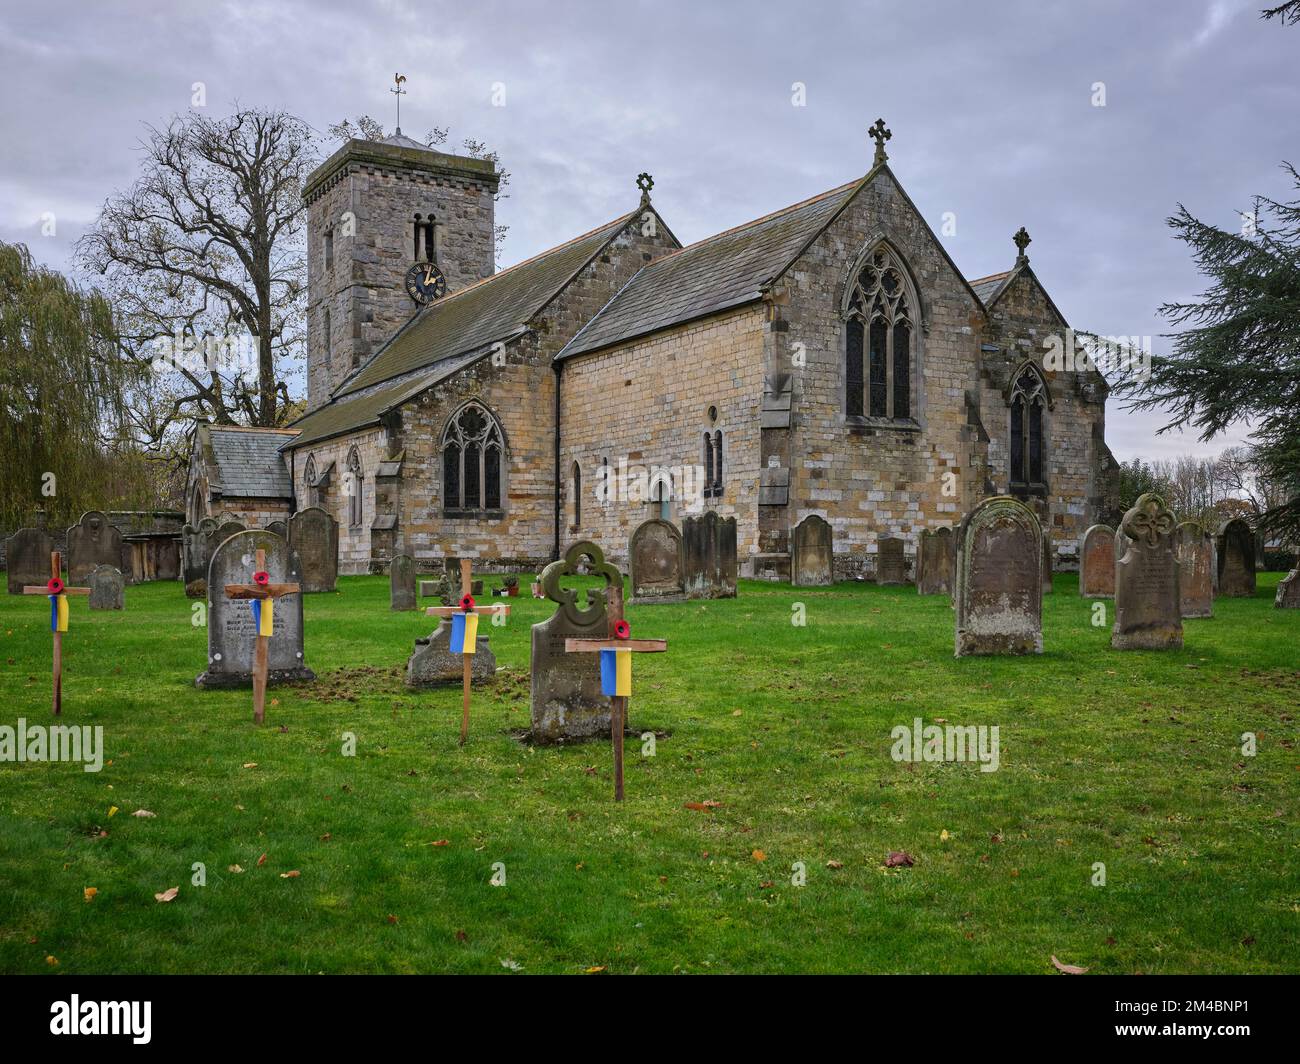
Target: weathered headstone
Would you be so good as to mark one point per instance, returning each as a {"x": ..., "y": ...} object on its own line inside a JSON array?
[
  {"x": 567, "y": 700},
  {"x": 27, "y": 557},
  {"x": 314, "y": 534},
  {"x": 432, "y": 664},
  {"x": 197, "y": 542},
  {"x": 280, "y": 528},
  {"x": 429, "y": 588},
  {"x": 232, "y": 633},
  {"x": 107, "y": 588},
  {"x": 1148, "y": 608},
  {"x": 1288, "y": 592},
  {"x": 1236, "y": 560},
  {"x": 935, "y": 553},
  {"x": 891, "y": 561},
  {"x": 812, "y": 548},
  {"x": 999, "y": 580},
  {"x": 657, "y": 562},
  {"x": 709, "y": 545},
  {"x": 1048, "y": 557},
  {"x": 223, "y": 532},
  {"x": 1097, "y": 563},
  {"x": 401, "y": 582},
  {"x": 1195, "y": 549},
  {"x": 92, "y": 541}
]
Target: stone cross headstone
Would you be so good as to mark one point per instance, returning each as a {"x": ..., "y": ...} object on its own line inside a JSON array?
[
  {"x": 1236, "y": 545},
  {"x": 567, "y": 702},
  {"x": 1148, "y": 607},
  {"x": 107, "y": 588},
  {"x": 314, "y": 534},
  {"x": 1194, "y": 547},
  {"x": 232, "y": 634},
  {"x": 999, "y": 580},
  {"x": 1288, "y": 592},
  {"x": 401, "y": 582},
  {"x": 657, "y": 562},
  {"x": 935, "y": 561},
  {"x": 1097, "y": 563},
  {"x": 891, "y": 561},
  {"x": 709, "y": 546},
  {"x": 812, "y": 550},
  {"x": 92, "y": 541},
  {"x": 27, "y": 558}
]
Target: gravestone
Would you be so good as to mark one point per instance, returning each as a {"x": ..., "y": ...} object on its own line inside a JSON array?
[
  {"x": 657, "y": 563},
  {"x": 999, "y": 580},
  {"x": 27, "y": 556},
  {"x": 813, "y": 554},
  {"x": 567, "y": 700},
  {"x": 1236, "y": 545},
  {"x": 107, "y": 588},
  {"x": 1148, "y": 607},
  {"x": 432, "y": 663},
  {"x": 92, "y": 542},
  {"x": 429, "y": 588},
  {"x": 231, "y": 631},
  {"x": 196, "y": 552},
  {"x": 401, "y": 582},
  {"x": 223, "y": 532},
  {"x": 935, "y": 561},
  {"x": 314, "y": 534},
  {"x": 1097, "y": 563},
  {"x": 709, "y": 548},
  {"x": 1194, "y": 547},
  {"x": 1288, "y": 592},
  {"x": 279, "y": 528},
  {"x": 891, "y": 561}
]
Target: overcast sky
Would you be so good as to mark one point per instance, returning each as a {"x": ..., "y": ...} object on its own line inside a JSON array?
[{"x": 991, "y": 107}]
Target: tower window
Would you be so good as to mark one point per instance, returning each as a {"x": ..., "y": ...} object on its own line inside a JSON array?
[
  {"x": 424, "y": 236},
  {"x": 329, "y": 249}
]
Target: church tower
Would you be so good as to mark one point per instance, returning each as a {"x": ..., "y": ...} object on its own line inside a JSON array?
[{"x": 391, "y": 226}]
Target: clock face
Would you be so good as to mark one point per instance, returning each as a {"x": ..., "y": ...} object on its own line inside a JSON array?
[{"x": 425, "y": 283}]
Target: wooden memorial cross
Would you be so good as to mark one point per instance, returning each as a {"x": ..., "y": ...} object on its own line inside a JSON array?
[
  {"x": 616, "y": 669},
  {"x": 464, "y": 635},
  {"x": 58, "y": 593},
  {"x": 263, "y": 594}
]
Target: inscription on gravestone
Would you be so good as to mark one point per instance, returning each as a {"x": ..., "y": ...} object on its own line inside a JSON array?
[
  {"x": 92, "y": 541},
  {"x": 401, "y": 582},
  {"x": 1237, "y": 560},
  {"x": 999, "y": 580},
  {"x": 935, "y": 561},
  {"x": 891, "y": 561},
  {"x": 709, "y": 546},
  {"x": 1097, "y": 563},
  {"x": 314, "y": 534},
  {"x": 27, "y": 557},
  {"x": 1194, "y": 547},
  {"x": 813, "y": 554},
  {"x": 657, "y": 562},
  {"x": 1148, "y": 613}
]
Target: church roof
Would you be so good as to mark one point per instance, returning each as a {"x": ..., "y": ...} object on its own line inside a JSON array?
[
  {"x": 247, "y": 461},
  {"x": 452, "y": 332},
  {"x": 717, "y": 273},
  {"x": 988, "y": 288}
]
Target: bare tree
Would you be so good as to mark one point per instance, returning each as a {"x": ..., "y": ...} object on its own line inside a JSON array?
[{"x": 204, "y": 261}]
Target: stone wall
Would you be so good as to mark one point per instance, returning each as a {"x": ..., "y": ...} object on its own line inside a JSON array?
[
  {"x": 355, "y": 553},
  {"x": 367, "y": 194},
  {"x": 647, "y": 402}
]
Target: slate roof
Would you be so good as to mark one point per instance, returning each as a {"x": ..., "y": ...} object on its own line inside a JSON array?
[
  {"x": 248, "y": 461},
  {"x": 988, "y": 288},
  {"x": 717, "y": 273}
]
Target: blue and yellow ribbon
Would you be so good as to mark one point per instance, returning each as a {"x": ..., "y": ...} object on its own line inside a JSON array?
[
  {"x": 264, "y": 616},
  {"x": 616, "y": 673},
  {"x": 58, "y": 613},
  {"x": 464, "y": 633}
]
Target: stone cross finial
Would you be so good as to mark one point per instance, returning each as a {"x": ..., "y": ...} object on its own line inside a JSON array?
[
  {"x": 645, "y": 183},
  {"x": 1022, "y": 241},
  {"x": 879, "y": 134}
]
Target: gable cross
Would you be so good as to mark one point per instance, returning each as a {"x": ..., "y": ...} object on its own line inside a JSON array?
[
  {"x": 616, "y": 669},
  {"x": 57, "y": 592},
  {"x": 879, "y": 134},
  {"x": 464, "y": 634},
  {"x": 1022, "y": 241},
  {"x": 262, "y": 595}
]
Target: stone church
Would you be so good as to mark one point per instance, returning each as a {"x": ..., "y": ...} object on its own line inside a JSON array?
[{"x": 828, "y": 358}]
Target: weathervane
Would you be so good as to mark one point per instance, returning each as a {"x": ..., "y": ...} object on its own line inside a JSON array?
[
  {"x": 879, "y": 134},
  {"x": 399, "y": 92}
]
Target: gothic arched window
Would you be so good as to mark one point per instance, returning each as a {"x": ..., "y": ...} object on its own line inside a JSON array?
[
  {"x": 354, "y": 488},
  {"x": 577, "y": 495},
  {"x": 878, "y": 340},
  {"x": 311, "y": 477},
  {"x": 1027, "y": 445},
  {"x": 471, "y": 461}
]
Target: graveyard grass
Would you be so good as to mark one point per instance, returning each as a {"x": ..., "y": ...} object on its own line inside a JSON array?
[{"x": 1128, "y": 758}]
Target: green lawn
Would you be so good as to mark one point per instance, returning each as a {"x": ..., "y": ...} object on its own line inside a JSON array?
[{"x": 1128, "y": 758}]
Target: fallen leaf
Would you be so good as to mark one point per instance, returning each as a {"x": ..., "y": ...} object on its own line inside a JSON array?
[
  {"x": 767, "y": 884},
  {"x": 251, "y": 764},
  {"x": 234, "y": 868},
  {"x": 392, "y": 919},
  {"x": 112, "y": 810},
  {"x": 594, "y": 970},
  {"x": 440, "y": 842},
  {"x": 944, "y": 836},
  {"x": 1068, "y": 969},
  {"x": 834, "y": 864},
  {"x": 326, "y": 837},
  {"x": 461, "y": 936},
  {"x": 736, "y": 712},
  {"x": 511, "y": 965},
  {"x": 143, "y": 812},
  {"x": 51, "y": 960},
  {"x": 899, "y": 859},
  {"x": 167, "y": 895},
  {"x": 90, "y": 893},
  {"x": 261, "y": 861},
  {"x": 290, "y": 875},
  {"x": 759, "y": 855}
]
